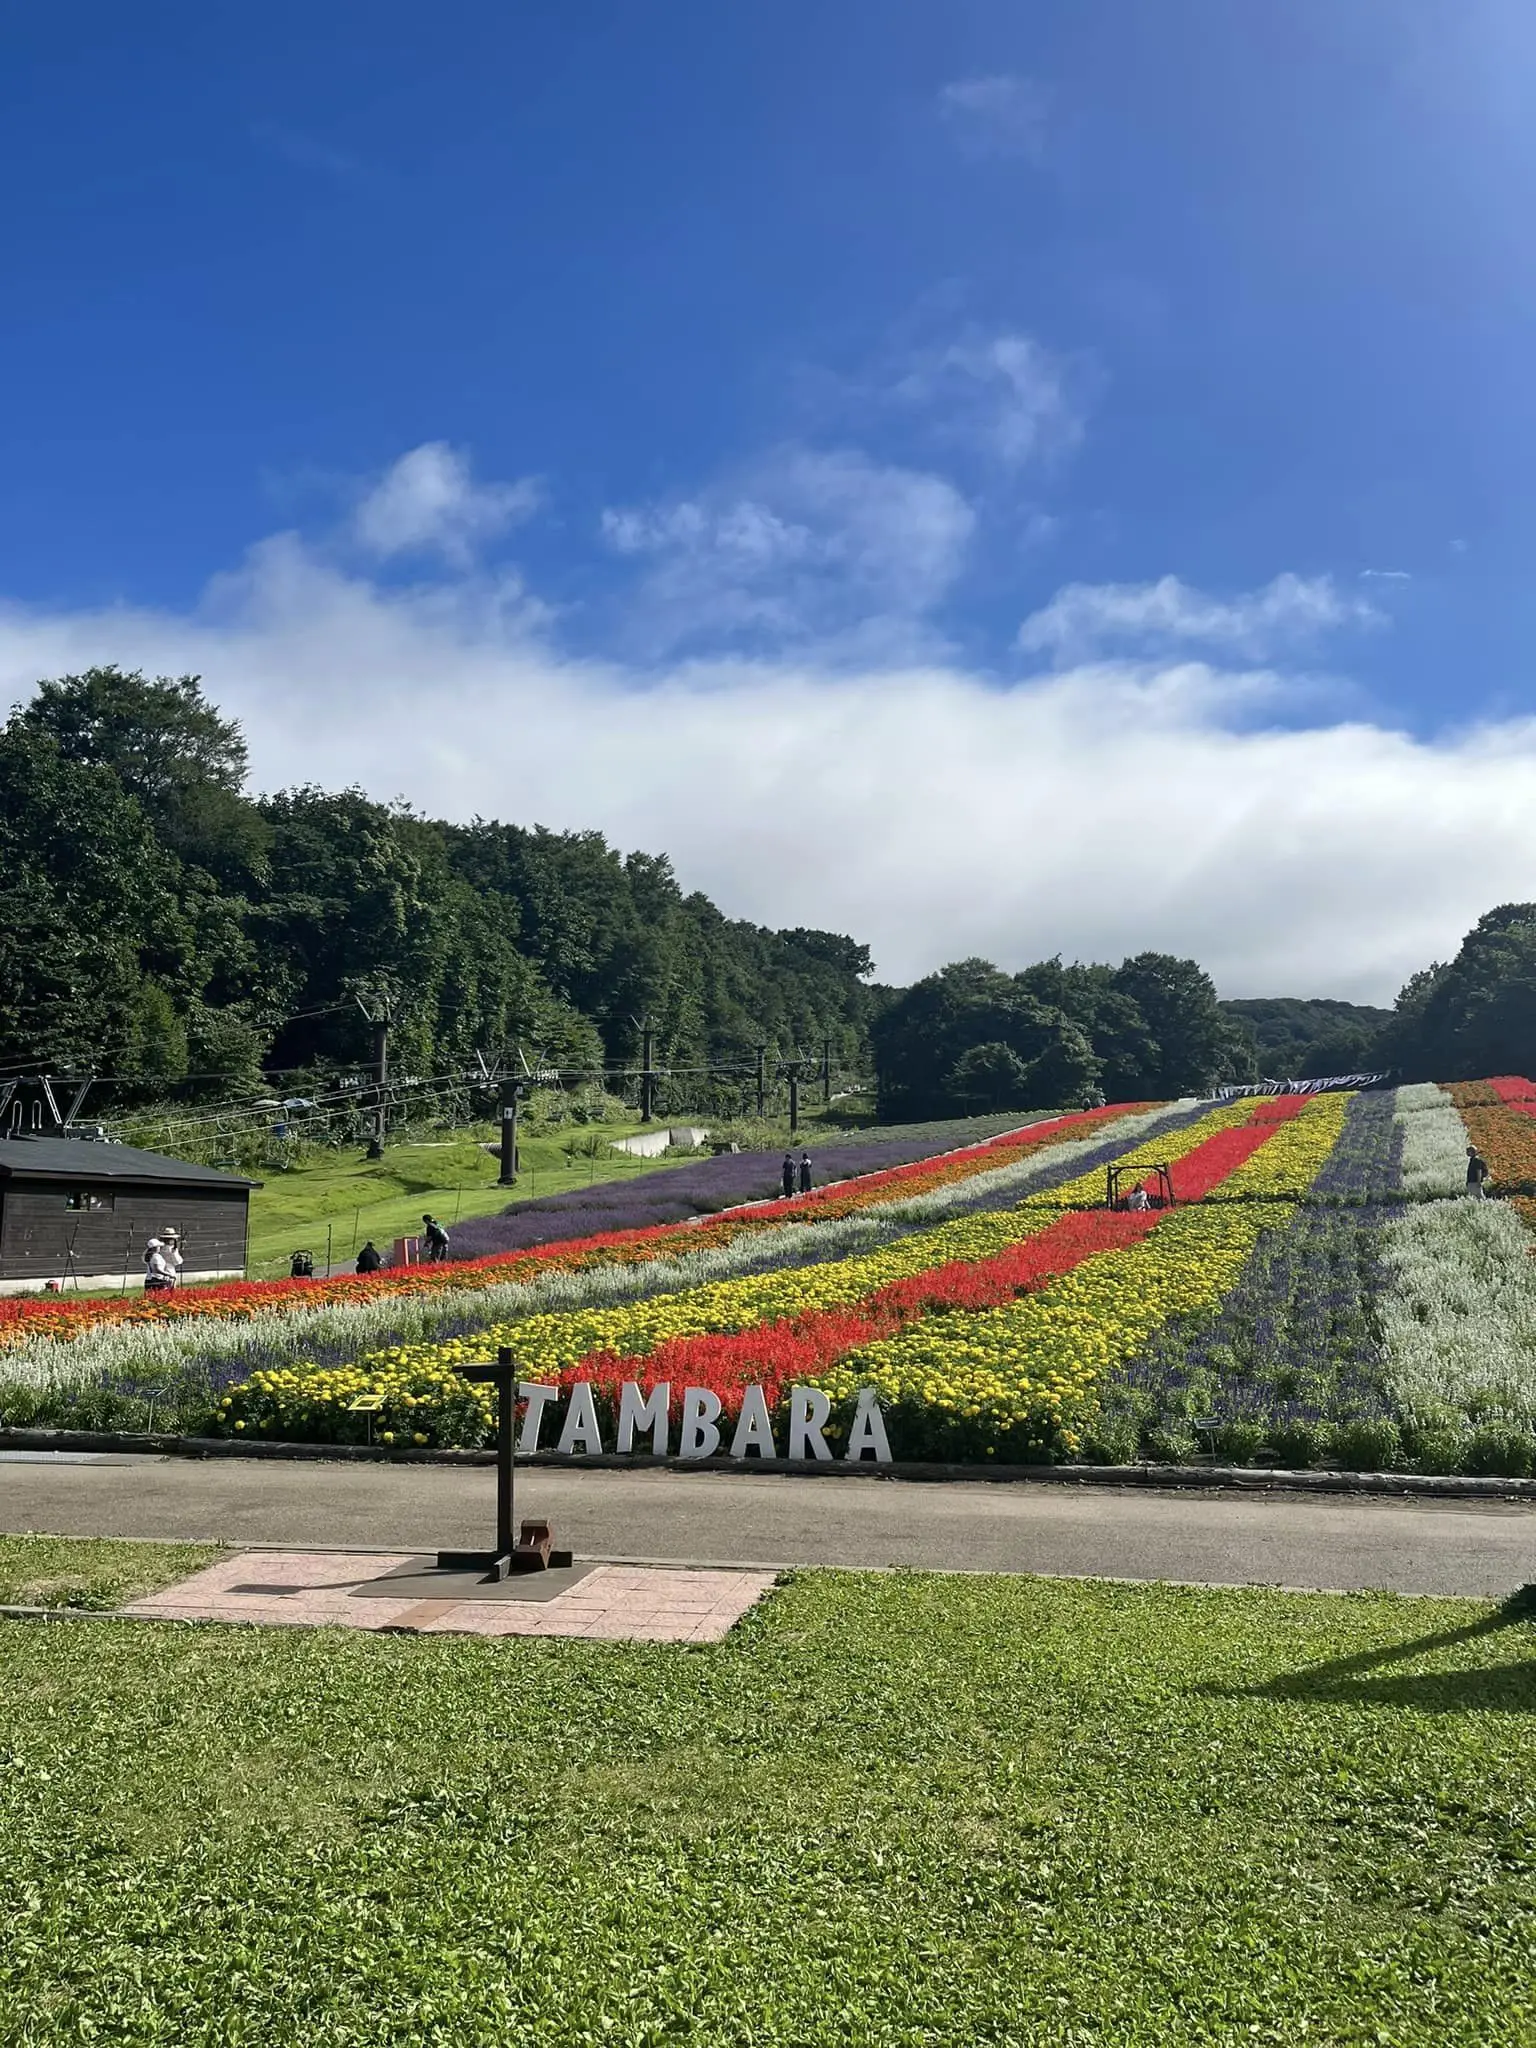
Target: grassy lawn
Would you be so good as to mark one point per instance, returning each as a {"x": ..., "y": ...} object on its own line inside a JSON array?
[
  {"x": 891, "y": 1809},
  {"x": 57, "y": 1571},
  {"x": 383, "y": 1198}
]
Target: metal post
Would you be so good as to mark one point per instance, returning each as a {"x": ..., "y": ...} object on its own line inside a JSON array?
[
  {"x": 506, "y": 1424},
  {"x": 826, "y": 1072},
  {"x": 647, "y": 1076},
  {"x": 762, "y": 1080},
  {"x": 381, "y": 1078},
  {"x": 794, "y": 1099},
  {"x": 510, "y": 1092}
]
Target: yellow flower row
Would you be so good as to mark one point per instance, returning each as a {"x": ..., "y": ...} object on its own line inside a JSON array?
[
  {"x": 1035, "y": 1362},
  {"x": 1290, "y": 1161},
  {"x": 549, "y": 1344}
]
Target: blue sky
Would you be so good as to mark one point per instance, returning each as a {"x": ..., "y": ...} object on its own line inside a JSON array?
[{"x": 857, "y": 448}]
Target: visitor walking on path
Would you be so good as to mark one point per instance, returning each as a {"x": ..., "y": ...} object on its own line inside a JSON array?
[
  {"x": 789, "y": 1173},
  {"x": 805, "y": 1173},
  {"x": 1477, "y": 1174},
  {"x": 435, "y": 1238},
  {"x": 370, "y": 1258}
]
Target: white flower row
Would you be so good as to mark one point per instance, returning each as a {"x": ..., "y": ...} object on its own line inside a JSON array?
[
  {"x": 148, "y": 1351},
  {"x": 1434, "y": 1141},
  {"x": 1459, "y": 1317}
]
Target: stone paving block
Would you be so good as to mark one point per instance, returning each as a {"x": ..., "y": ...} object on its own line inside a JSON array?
[{"x": 314, "y": 1589}]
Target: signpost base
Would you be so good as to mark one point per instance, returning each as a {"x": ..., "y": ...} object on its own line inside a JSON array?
[
  {"x": 493, "y": 1565},
  {"x": 533, "y": 1549}
]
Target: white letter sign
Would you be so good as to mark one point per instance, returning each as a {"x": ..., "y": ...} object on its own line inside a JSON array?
[{"x": 699, "y": 1437}]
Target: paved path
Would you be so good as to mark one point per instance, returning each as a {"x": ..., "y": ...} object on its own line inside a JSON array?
[
  {"x": 338, "y": 1589},
  {"x": 1297, "y": 1540}
]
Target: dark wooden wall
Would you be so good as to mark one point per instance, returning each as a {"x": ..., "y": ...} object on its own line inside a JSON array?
[{"x": 37, "y": 1228}]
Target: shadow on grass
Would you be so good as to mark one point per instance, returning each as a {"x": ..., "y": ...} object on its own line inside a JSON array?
[{"x": 1504, "y": 1688}]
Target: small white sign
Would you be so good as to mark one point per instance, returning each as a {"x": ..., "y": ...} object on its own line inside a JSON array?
[{"x": 700, "y": 1433}]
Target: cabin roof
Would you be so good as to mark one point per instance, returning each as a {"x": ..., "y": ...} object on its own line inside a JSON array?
[{"x": 87, "y": 1159}]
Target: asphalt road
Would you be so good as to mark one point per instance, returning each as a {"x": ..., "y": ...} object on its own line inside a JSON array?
[{"x": 1403, "y": 1546}]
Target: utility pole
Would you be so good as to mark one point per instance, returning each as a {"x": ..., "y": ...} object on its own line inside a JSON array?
[
  {"x": 511, "y": 1096},
  {"x": 826, "y": 1072},
  {"x": 792, "y": 1071},
  {"x": 647, "y": 1074},
  {"x": 762, "y": 1080},
  {"x": 380, "y": 1018}
]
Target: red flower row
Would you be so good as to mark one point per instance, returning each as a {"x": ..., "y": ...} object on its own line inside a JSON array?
[
  {"x": 778, "y": 1355},
  {"x": 238, "y": 1300}
]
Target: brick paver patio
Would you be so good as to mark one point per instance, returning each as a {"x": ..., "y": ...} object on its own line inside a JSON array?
[{"x": 309, "y": 1589}]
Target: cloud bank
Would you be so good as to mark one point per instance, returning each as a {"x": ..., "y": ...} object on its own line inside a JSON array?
[{"x": 1094, "y": 810}]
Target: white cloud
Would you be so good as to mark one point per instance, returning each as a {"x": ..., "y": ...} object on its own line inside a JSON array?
[
  {"x": 928, "y": 810},
  {"x": 808, "y": 545},
  {"x": 999, "y": 115},
  {"x": 428, "y": 503},
  {"x": 1002, "y": 393},
  {"x": 1084, "y": 617}
]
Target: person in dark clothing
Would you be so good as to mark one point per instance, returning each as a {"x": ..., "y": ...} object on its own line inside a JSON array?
[
  {"x": 370, "y": 1258},
  {"x": 805, "y": 1173},
  {"x": 435, "y": 1239},
  {"x": 789, "y": 1173},
  {"x": 1477, "y": 1174}
]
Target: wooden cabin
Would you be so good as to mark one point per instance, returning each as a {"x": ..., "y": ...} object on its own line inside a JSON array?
[{"x": 80, "y": 1211}]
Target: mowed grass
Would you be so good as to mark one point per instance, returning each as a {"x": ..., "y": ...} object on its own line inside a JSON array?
[
  {"x": 890, "y": 1809},
  {"x": 59, "y": 1571}
]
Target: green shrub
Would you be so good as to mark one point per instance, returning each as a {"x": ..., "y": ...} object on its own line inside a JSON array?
[
  {"x": 1237, "y": 1443},
  {"x": 1371, "y": 1444},
  {"x": 1500, "y": 1449},
  {"x": 1301, "y": 1444},
  {"x": 1169, "y": 1443},
  {"x": 1438, "y": 1446},
  {"x": 1111, "y": 1440}
]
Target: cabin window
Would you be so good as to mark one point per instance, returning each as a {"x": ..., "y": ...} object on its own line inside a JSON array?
[{"x": 89, "y": 1198}]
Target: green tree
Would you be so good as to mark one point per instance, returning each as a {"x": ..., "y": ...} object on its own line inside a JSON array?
[
  {"x": 1177, "y": 998},
  {"x": 84, "y": 895},
  {"x": 989, "y": 1077},
  {"x": 182, "y": 762}
]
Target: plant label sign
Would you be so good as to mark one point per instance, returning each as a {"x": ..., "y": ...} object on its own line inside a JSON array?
[{"x": 700, "y": 1434}]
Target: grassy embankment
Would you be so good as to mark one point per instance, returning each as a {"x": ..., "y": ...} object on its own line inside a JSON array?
[
  {"x": 453, "y": 1176},
  {"x": 891, "y": 1809}
]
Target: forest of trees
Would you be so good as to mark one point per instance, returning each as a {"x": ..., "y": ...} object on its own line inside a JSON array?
[{"x": 164, "y": 930}]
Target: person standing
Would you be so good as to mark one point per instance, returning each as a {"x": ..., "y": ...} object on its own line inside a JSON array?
[
  {"x": 170, "y": 1250},
  {"x": 1477, "y": 1174},
  {"x": 788, "y": 1174},
  {"x": 435, "y": 1239},
  {"x": 805, "y": 1173}
]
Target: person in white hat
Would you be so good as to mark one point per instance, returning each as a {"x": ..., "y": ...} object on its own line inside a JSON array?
[{"x": 162, "y": 1262}]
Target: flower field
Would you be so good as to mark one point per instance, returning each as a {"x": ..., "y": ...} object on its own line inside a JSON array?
[{"x": 1320, "y": 1292}]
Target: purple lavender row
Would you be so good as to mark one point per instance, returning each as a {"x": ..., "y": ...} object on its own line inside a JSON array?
[
  {"x": 701, "y": 1189},
  {"x": 1297, "y": 1342}
]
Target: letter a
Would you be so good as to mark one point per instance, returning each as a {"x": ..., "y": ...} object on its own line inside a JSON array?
[
  {"x": 808, "y": 1412},
  {"x": 581, "y": 1422},
  {"x": 867, "y": 1432}
]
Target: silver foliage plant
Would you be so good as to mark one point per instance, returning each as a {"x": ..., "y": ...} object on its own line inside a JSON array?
[
  {"x": 1434, "y": 1141},
  {"x": 1459, "y": 1319}
]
